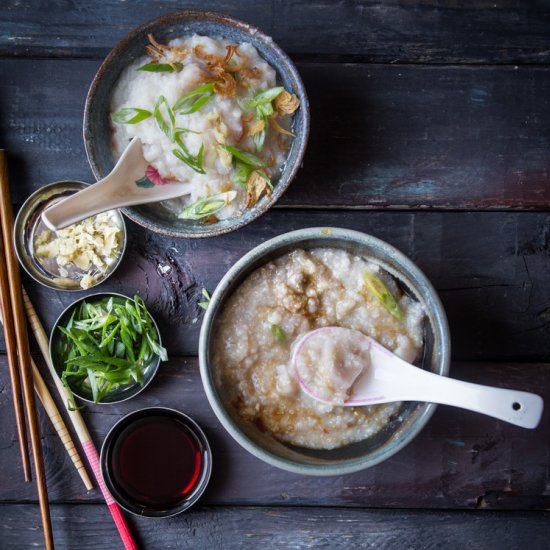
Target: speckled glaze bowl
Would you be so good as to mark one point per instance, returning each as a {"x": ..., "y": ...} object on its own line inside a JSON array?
[
  {"x": 398, "y": 432},
  {"x": 97, "y": 126}
]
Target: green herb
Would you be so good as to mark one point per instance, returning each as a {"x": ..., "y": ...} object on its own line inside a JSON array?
[
  {"x": 195, "y": 99},
  {"x": 265, "y": 178},
  {"x": 130, "y": 115},
  {"x": 258, "y": 139},
  {"x": 208, "y": 206},
  {"x": 204, "y": 304},
  {"x": 245, "y": 156},
  {"x": 161, "y": 67},
  {"x": 179, "y": 130},
  {"x": 194, "y": 162},
  {"x": 107, "y": 344},
  {"x": 166, "y": 121},
  {"x": 165, "y": 118},
  {"x": 264, "y": 97},
  {"x": 278, "y": 333},
  {"x": 242, "y": 173},
  {"x": 378, "y": 288}
]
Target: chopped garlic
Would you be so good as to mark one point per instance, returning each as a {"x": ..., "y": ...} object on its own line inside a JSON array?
[{"x": 90, "y": 246}]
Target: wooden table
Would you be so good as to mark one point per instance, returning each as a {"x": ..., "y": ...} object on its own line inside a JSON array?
[{"x": 430, "y": 130}]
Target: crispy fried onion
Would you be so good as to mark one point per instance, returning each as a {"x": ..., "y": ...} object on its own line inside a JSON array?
[
  {"x": 255, "y": 128},
  {"x": 160, "y": 52},
  {"x": 276, "y": 126},
  {"x": 285, "y": 103},
  {"x": 227, "y": 87},
  {"x": 255, "y": 186}
]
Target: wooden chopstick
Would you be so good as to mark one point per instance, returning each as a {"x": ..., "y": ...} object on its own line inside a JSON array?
[
  {"x": 58, "y": 423},
  {"x": 79, "y": 425},
  {"x": 21, "y": 337},
  {"x": 11, "y": 351}
]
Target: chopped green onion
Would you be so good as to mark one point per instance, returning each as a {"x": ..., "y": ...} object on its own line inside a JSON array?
[
  {"x": 204, "y": 304},
  {"x": 383, "y": 295},
  {"x": 161, "y": 67},
  {"x": 242, "y": 173},
  {"x": 194, "y": 162},
  {"x": 195, "y": 99},
  {"x": 264, "y": 97},
  {"x": 278, "y": 333},
  {"x": 107, "y": 344},
  {"x": 208, "y": 206},
  {"x": 130, "y": 115},
  {"x": 166, "y": 120},
  {"x": 245, "y": 156}
]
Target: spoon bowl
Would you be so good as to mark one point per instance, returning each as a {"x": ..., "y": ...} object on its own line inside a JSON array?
[
  {"x": 345, "y": 367},
  {"x": 127, "y": 184}
]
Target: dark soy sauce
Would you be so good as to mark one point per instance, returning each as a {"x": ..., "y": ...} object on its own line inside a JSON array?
[{"x": 156, "y": 462}]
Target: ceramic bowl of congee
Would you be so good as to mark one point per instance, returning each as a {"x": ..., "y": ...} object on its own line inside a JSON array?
[
  {"x": 218, "y": 107},
  {"x": 293, "y": 284}
]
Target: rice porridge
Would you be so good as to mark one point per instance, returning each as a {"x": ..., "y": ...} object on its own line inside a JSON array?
[
  {"x": 280, "y": 302},
  {"x": 210, "y": 115}
]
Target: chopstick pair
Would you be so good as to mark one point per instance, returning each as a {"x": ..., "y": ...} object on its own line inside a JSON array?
[
  {"x": 79, "y": 426},
  {"x": 19, "y": 359}
]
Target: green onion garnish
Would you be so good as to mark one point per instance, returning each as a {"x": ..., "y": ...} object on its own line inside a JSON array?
[
  {"x": 208, "y": 206},
  {"x": 106, "y": 344},
  {"x": 195, "y": 99},
  {"x": 378, "y": 288},
  {"x": 130, "y": 115},
  {"x": 161, "y": 67}
]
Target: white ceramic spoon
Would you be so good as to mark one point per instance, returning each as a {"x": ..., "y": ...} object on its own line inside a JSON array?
[
  {"x": 118, "y": 189},
  {"x": 384, "y": 377}
]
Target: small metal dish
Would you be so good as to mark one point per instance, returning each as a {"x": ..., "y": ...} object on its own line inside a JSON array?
[
  {"x": 122, "y": 393},
  {"x": 28, "y": 224},
  {"x": 122, "y": 438}
]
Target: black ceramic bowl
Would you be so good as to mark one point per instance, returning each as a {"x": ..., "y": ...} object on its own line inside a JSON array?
[{"x": 97, "y": 126}]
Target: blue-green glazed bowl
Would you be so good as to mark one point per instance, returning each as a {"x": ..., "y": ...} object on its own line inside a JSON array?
[
  {"x": 97, "y": 125},
  {"x": 412, "y": 417}
]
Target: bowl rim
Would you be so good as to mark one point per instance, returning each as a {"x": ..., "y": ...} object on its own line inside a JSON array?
[
  {"x": 155, "y": 362},
  {"x": 248, "y": 29},
  {"x": 192, "y": 424},
  {"x": 440, "y": 327},
  {"x": 21, "y": 254}
]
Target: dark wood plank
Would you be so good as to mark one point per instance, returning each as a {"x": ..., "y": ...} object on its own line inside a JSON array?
[
  {"x": 460, "y": 460},
  {"x": 491, "y": 270},
  {"x": 244, "y": 527},
  {"x": 378, "y": 31},
  {"x": 381, "y": 137}
]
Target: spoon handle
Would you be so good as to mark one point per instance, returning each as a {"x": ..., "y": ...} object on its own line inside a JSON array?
[{"x": 409, "y": 383}]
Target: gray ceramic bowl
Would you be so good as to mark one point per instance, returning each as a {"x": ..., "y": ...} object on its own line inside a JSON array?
[
  {"x": 97, "y": 126},
  {"x": 123, "y": 392},
  {"x": 412, "y": 416}
]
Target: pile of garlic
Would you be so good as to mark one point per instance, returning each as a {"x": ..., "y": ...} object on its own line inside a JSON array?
[{"x": 91, "y": 246}]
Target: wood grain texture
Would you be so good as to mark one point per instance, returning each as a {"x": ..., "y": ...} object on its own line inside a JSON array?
[
  {"x": 460, "y": 460},
  {"x": 381, "y": 136},
  {"x": 491, "y": 271},
  {"x": 235, "y": 528},
  {"x": 383, "y": 31}
]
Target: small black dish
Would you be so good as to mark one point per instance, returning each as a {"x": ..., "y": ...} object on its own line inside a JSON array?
[{"x": 156, "y": 462}]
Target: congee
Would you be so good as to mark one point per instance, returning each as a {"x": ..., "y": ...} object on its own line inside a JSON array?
[
  {"x": 280, "y": 302},
  {"x": 211, "y": 115}
]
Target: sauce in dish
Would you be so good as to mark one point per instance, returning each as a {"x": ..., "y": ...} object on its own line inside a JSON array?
[
  {"x": 211, "y": 115},
  {"x": 278, "y": 304}
]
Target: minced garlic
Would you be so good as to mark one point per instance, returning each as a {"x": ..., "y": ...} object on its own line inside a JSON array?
[{"x": 90, "y": 246}]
